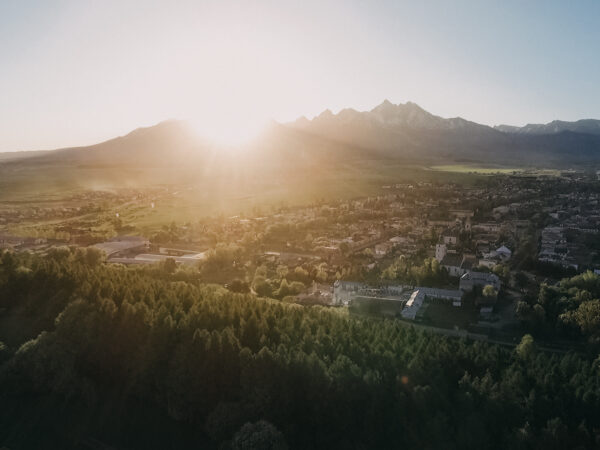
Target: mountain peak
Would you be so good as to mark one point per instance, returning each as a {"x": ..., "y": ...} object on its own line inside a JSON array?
[
  {"x": 407, "y": 115},
  {"x": 302, "y": 122},
  {"x": 327, "y": 114},
  {"x": 348, "y": 114},
  {"x": 413, "y": 105},
  {"x": 387, "y": 115},
  {"x": 385, "y": 105}
]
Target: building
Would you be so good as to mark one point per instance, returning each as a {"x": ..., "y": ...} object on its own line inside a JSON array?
[
  {"x": 440, "y": 251},
  {"x": 345, "y": 291},
  {"x": 487, "y": 262},
  {"x": 462, "y": 213},
  {"x": 455, "y": 296},
  {"x": 7, "y": 241},
  {"x": 555, "y": 249},
  {"x": 503, "y": 253},
  {"x": 440, "y": 223},
  {"x": 413, "y": 305},
  {"x": 318, "y": 293},
  {"x": 452, "y": 263},
  {"x": 469, "y": 280},
  {"x": 467, "y": 225},
  {"x": 123, "y": 245},
  {"x": 500, "y": 211},
  {"x": 148, "y": 258},
  {"x": 450, "y": 237},
  {"x": 488, "y": 227},
  {"x": 384, "y": 297},
  {"x": 469, "y": 262}
]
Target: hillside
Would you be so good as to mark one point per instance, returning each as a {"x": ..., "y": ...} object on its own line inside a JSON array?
[
  {"x": 14, "y": 156},
  {"x": 343, "y": 153},
  {"x": 403, "y": 132},
  {"x": 161, "y": 144},
  {"x": 175, "y": 143}
]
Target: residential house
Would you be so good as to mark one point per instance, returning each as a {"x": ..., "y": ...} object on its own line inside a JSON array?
[
  {"x": 452, "y": 263},
  {"x": 450, "y": 237},
  {"x": 503, "y": 253},
  {"x": 469, "y": 280},
  {"x": 440, "y": 251}
]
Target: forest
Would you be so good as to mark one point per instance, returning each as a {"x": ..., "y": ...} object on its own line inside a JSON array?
[
  {"x": 570, "y": 309},
  {"x": 96, "y": 355}
]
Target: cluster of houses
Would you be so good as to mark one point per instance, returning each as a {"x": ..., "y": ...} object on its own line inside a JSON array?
[
  {"x": 554, "y": 248},
  {"x": 574, "y": 219},
  {"x": 561, "y": 241},
  {"x": 411, "y": 212},
  {"x": 409, "y": 300},
  {"x": 11, "y": 242},
  {"x": 458, "y": 263}
]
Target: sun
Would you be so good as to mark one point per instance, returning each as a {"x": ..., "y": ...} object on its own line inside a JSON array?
[{"x": 229, "y": 130}]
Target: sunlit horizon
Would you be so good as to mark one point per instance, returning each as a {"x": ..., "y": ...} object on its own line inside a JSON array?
[
  {"x": 76, "y": 75},
  {"x": 229, "y": 130}
]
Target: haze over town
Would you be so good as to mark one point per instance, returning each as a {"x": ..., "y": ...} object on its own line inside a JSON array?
[{"x": 299, "y": 225}]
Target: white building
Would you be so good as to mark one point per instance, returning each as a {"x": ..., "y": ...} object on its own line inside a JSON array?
[
  {"x": 440, "y": 251},
  {"x": 413, "y": 305},
  {"x": 503, "y": 253}
]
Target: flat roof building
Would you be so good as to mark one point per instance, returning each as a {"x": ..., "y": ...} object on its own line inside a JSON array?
[{"x": 413, "y": 305}]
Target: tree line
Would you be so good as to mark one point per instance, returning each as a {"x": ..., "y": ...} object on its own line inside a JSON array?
[{"x": 107, "y": 348}]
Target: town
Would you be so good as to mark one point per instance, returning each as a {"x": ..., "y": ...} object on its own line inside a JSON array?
[{"x": 458, "y": 257}]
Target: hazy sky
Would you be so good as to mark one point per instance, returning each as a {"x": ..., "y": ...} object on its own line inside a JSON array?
[{"x": 78, "y": 72}]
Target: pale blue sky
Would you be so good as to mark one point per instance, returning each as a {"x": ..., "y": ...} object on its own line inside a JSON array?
[{"x": 78, "y": 72}]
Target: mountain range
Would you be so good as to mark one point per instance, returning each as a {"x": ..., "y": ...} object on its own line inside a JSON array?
[
  {"x": 586, "y": 126},
  {"x": 407, "y": 130},
  {"x": 388, "y": 131}
]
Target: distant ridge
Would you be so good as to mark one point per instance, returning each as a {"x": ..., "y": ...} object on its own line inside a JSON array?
[
  {"x": 586, "y": 126},
  {"x": 397, "y": 131},
  {"x": 412, "y": 115},
  {"x": 389, "y": 115},
  {"x": 407, "y": 130}
]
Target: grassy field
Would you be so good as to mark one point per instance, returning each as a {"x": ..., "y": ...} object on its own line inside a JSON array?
[
  {"x": 460, "y": 168},
  {"x": 189, "y": 194},
  {"x": 448, "y": 316},
  {"x": 493, "y": 170}
]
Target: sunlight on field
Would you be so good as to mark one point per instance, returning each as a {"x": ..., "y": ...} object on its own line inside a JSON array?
[{"x": 476, "y": 169}]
